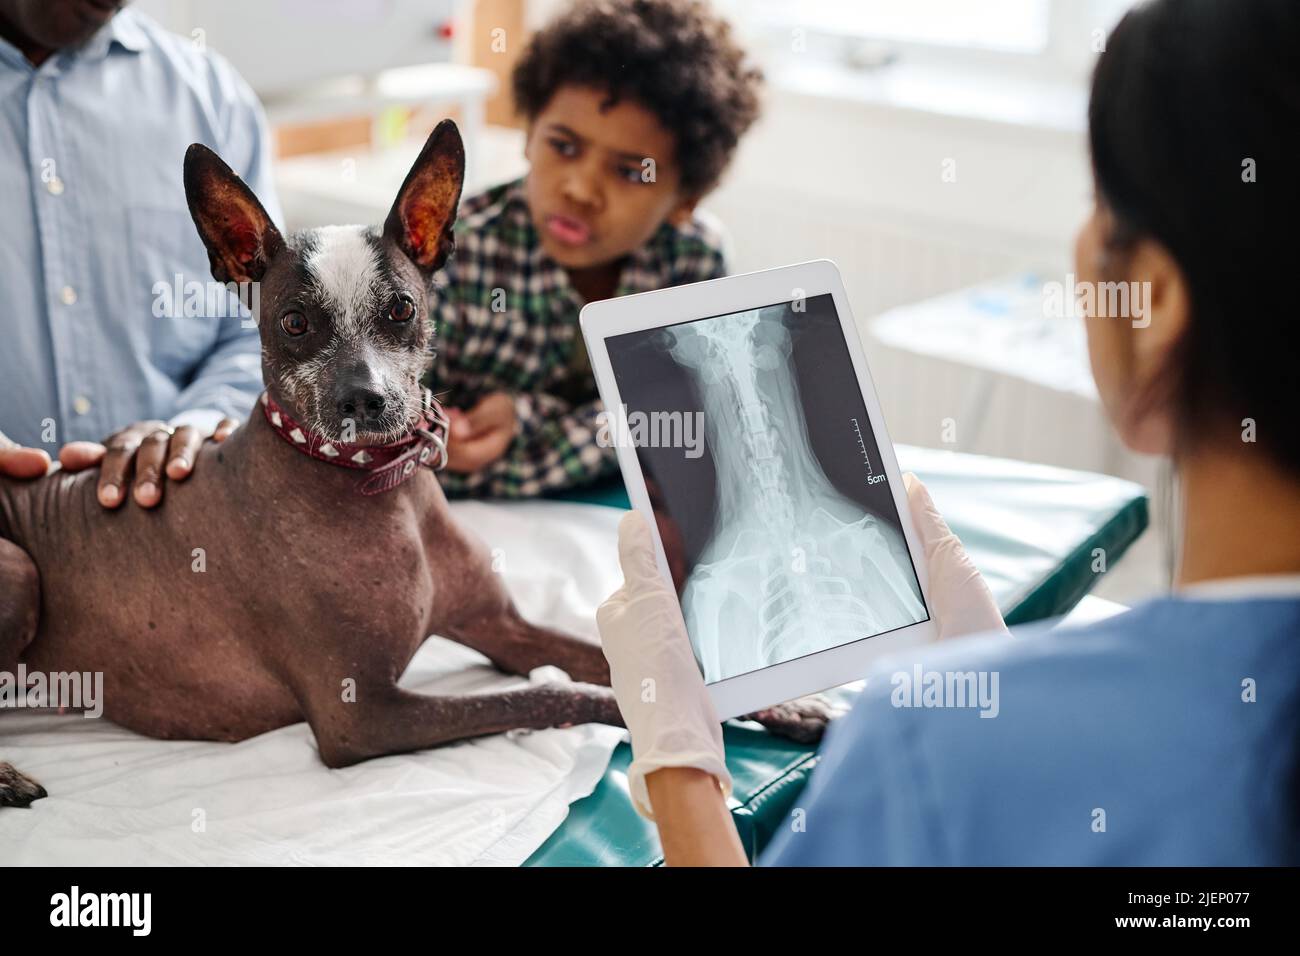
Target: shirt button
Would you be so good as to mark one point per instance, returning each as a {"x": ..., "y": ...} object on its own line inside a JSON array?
[
  {"x": 68, "y": 295},
  {"x": 55, "y": 186},
  {"x": 81, "y": 405}
]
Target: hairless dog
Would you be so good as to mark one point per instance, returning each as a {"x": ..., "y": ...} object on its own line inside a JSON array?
[{"x": 329, "y": 554}]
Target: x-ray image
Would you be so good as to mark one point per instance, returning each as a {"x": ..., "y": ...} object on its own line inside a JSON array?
[{"x": 782, "y": 538}]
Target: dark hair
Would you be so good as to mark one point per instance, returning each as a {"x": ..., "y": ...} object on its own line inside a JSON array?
[
  {"x": 1189, "y": 98},
  {"x": 673, "y": 57}
]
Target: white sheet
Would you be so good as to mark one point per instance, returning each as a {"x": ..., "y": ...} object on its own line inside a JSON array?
[{"x": 119, "y": 798}]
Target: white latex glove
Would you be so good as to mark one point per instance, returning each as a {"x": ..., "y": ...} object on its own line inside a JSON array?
[
  {"x": 652, "y": 669},
  {"x": 961, "y": 600}
]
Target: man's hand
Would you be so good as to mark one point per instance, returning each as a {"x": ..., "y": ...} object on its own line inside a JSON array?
[
  {"x": 152, "y": 451},
  {"x": 19, "y": 462},
  {"x": 481, "y": 435}
]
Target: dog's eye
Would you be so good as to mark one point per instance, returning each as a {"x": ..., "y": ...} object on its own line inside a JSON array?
[
  {"x": 402, "y": 309},
  {"x": 294, "y": 323}
]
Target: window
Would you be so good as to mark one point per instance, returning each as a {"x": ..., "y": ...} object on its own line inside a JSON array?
[
  {"x": 1019, "y": 26},
  {"x": 1044, "y": 35}
]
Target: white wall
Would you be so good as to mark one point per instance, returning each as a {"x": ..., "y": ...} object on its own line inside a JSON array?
[
  {"x": 281, "y": 46},
  {"x": 855, "y": 178}
]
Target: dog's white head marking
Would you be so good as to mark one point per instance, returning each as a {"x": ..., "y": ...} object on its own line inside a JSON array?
[{"x": 345, "y": 271}]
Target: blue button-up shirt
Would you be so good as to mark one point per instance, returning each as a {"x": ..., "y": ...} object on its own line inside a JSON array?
[{"x": 95, "y": 225}]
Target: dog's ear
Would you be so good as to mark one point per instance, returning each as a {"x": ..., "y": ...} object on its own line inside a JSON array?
[
  {"x": 425, "y": 210},
  {"x": 239, "y": 235}
]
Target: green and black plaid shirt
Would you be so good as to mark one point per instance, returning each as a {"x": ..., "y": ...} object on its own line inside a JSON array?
[{"x": 506, "y": 319}]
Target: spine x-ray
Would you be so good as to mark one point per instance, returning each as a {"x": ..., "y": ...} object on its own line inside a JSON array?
[{"x": 771, "y": 559}]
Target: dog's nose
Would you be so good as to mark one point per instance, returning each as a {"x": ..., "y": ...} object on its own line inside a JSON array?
[{"x": 361, "y": 403}]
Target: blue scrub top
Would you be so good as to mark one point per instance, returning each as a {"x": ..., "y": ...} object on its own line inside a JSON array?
[{"x": 1166, "y": 735}]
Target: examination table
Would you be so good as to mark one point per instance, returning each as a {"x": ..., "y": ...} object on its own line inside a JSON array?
[{"x": 1035, "y": 532}]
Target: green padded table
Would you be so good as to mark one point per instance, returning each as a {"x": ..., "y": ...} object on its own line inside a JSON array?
[{"x": 1034, "y": 532}]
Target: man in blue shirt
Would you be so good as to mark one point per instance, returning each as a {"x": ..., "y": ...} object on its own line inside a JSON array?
[{"x": 97, "y": 107}]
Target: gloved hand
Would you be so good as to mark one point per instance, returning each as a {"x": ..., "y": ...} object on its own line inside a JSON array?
[
  {"x": 960, "y": 599},
  {"x": 660, "y": 690}
]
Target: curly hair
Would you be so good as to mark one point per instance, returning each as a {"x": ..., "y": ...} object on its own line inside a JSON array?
[{"x": 675, "y": 58}]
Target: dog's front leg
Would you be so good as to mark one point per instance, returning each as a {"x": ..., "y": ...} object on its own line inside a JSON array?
[
  {"x": 803, "y": 720},
  {"x": 517, "y": 646},
  {"x": 388, "y": 719}
]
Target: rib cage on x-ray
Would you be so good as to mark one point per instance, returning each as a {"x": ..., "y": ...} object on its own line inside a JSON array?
[{"x": 792, "y": 567}]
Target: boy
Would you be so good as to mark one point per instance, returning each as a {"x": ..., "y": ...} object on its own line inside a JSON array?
[{"x": 634, "y": 108}]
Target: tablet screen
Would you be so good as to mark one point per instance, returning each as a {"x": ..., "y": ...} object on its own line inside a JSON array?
[{"x": 767, "y": 486}]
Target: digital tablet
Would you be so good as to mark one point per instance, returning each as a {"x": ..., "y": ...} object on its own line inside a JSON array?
[{"x": 750, "y": 436}]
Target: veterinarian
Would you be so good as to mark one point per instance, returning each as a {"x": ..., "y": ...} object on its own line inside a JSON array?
[
  {"x": 1166, "y": 735},
  {"x": 97, "y": 107}
]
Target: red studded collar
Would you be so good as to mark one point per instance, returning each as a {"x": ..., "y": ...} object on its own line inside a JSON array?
[{"x": 389, "y": 465}]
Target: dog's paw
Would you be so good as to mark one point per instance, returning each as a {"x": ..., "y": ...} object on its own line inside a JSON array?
[
  {"x": 803, "y": 720},
  {"x": 16, "y": 789},
  {"x": 598, "y": 704},
  {"x": 568, "y": 704}
]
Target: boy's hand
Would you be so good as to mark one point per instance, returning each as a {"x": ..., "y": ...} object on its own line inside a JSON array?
[{"x": 480, "y": 436}]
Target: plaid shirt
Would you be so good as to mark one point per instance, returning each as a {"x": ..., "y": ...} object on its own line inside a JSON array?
[{"x": 506, "y": 319}]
